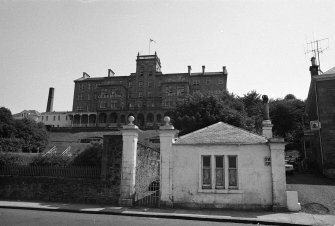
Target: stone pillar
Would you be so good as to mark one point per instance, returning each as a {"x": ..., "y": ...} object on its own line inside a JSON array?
[
  {"x": 267, "y": 125},
  {"x": 166, "y": 135},
  {"x": 267, "y": 129},
  {"x": 128, "y": 169},
  {"x": 277, "y": 147}
]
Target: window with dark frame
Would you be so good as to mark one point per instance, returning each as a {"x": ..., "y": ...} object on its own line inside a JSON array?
[
  {"x": 232, "y": 172},
  {"x": 219, "y": 172},
  {"x": 206, "y": 172}
]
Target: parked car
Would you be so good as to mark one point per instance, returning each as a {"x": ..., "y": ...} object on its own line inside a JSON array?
[{"x": 289, "y": 168}]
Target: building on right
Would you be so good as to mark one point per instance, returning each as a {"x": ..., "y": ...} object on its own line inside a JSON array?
[{"x": 319, "y": 138}]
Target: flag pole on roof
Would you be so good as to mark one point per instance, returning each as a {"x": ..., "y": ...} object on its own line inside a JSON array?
[{"x": 150, "y": 40}]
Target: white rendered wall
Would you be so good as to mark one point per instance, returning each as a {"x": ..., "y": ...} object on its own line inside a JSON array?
[{"x": 254, "y": 178}]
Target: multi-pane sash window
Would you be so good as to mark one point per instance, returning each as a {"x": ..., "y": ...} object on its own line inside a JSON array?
[
  {"x": 206, "y": 172},
  {"x": 219, "y": 172},
  {"x": 232, "y": 171}
]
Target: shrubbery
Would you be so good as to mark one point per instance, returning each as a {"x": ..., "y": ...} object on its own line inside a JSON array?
[
  {"x": 15, "y": 159},
  {"x": 91, "y": 156},
  {"x": 52, "y": 160},
  {"x": 21, "y": 135}
]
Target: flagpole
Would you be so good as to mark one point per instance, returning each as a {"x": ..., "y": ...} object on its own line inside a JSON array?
[{"x": 149, "y": 45}]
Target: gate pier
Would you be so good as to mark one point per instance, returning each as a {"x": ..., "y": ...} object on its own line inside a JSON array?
[{"x": 128, "y": 168}]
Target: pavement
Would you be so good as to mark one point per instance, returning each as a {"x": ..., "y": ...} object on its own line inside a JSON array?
[{"x": 252, "y": 217}]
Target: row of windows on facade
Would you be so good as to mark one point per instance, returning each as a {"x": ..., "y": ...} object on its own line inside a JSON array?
[
  {"x": 114, "y": 105},
  {"x": 149, "y": 83},
  {"x": 213, "y": 174},
  {"x": 54, "y": 118},
  {"x": 104, "y": 94}
]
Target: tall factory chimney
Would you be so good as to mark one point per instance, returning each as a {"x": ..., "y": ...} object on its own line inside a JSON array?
[{"x": 50, "y": 100}]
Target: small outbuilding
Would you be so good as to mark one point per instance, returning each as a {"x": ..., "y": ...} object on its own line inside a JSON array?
[{"x": 222, "y": 166}]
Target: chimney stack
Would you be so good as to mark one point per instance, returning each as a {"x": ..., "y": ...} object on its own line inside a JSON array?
[
  {"x": 203, "y": 69},
  {"x": 110, "y": 73},
  {"x": 189, "y": 69},
  {"x": 224, "y": 69},
  {"x": 50, "y": 100},
  {"x": 314, "y": 69}
]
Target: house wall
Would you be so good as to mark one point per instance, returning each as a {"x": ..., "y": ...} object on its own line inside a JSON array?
[
  {"x": 254, "y": 178},
  {"x": 56, "y": 119},
  {"x": 326, "y": 104}
]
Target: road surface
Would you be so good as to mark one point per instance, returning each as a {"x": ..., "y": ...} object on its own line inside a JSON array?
[{"x": 19, "y": 217}]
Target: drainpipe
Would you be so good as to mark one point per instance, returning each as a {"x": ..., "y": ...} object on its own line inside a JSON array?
[{"x": 319, "y": 131}]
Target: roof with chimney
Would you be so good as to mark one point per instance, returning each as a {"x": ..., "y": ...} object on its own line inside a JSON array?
[{"x": 221, "y": 133}]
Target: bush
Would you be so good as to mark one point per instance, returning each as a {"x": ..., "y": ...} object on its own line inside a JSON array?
[
  {"x": 11, "y": 144},
  {"x": 91, "y": 156},
  {"x": 15, "y": 159},
  {"x": 51, "y": 160}
]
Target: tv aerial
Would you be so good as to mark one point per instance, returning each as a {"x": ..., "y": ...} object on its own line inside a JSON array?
[{"x": 316, "y": 47}]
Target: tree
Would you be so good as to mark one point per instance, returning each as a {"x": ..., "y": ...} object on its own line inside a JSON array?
[
  {"x": 200, "y": 110},
  {"x": 254, "y": 107},
  {"x": 7, "y": 128},
  {"x": 287, "y": 118},
  {"x": 21, "y": 135}
]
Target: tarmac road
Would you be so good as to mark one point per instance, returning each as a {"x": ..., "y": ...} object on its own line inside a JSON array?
[
  {"x": 313, "y": 189},
  {"x": 16, "y": 217}
]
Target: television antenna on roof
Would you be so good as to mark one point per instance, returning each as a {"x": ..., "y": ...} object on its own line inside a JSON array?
[{"x": 316, "y": 47}]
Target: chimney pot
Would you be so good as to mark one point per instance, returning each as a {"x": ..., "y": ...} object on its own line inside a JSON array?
[
  {"x": 203, "y": 69},
  {"x": 224, "y": 69},
  {"x": 189, "y": 69},
  {"x": 313, "y": 61}
]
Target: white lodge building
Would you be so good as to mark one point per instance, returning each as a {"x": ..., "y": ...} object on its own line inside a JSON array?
[{"x": 222, "y": 166}]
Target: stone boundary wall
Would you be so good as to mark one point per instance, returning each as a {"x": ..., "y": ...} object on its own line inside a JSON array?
[{"x": 58, "y": 190}]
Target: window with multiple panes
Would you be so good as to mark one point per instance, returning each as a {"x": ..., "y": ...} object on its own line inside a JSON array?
[
  {"x": 206, "y": 172},
  {"x": 103, "y": 104},
  {"x": 113, "y": 104},
  {"x": 219, "y": 172},
  {"x": 232, "y": 171}
]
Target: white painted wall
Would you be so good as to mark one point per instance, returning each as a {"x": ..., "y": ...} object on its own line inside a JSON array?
[
  {"x": 56, "y": 119},
  {"x": 255, "y": 183}
]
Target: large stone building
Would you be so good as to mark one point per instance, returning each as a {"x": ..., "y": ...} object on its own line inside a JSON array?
[
  {"x": 148, "y": 94},
  {"x": 319, "y": 142}
]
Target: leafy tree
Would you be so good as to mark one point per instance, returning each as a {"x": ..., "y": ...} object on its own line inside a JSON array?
[
  {"x": 7, "y": 128},
  {"x": 287, "y": 118},
  {"x": 21, "y": 135},
  {"x": 200, "y": 110},
  {"x": 254, "y": 107}
]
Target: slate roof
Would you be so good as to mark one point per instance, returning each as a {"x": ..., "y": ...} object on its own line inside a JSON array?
[
  {"x": 330, "y": 72},
  {"x": 221, "y": 133}
]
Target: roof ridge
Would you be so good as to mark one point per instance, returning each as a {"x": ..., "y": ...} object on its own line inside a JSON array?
[{"x": 196, "y": 131}]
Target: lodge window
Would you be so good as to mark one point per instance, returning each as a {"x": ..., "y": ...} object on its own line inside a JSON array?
[
  {"x": 42, "y": 118},
  {"x": 58, "y": 117},
  {"x": 206, "y": 172},
  {"x": 54, "y": 118},
  {"x": 46, "y": 118},
  {"x": 219, "y": 172},
  {"x": 232, "y": 171}
]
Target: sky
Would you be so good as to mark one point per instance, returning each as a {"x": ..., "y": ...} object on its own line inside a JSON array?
[{"x": 262, "y": 43}]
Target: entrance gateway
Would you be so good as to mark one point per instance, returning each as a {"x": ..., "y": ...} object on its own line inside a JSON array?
[{"x": 147, "y": 178}]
